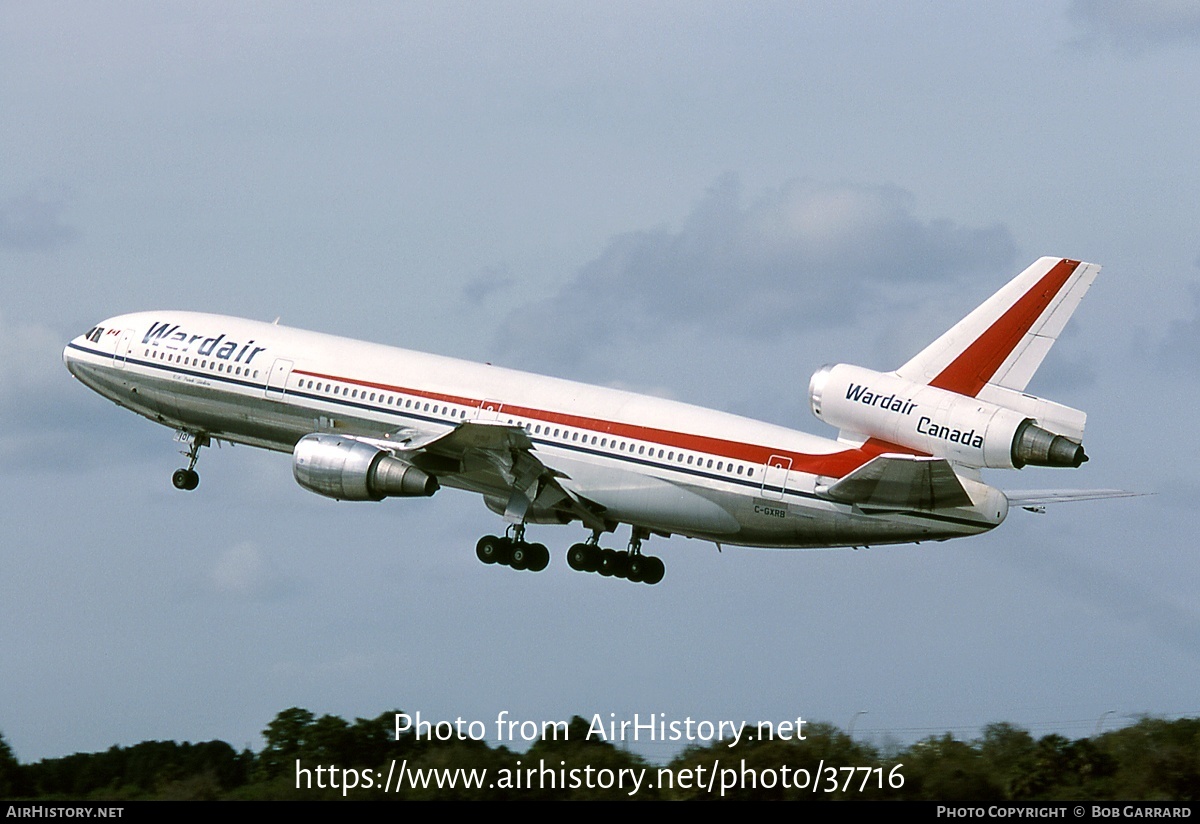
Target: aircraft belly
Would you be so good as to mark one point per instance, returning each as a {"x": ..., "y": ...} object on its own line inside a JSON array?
[
  {"x": 647, "y": 500},
  {"x": 803, "y": 521},
  {"x": 190, "y": 403},
  {"x": 130, "y": 390},
  {"x": 741, "y": 517}
]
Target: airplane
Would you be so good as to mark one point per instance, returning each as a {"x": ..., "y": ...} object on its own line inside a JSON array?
[{"x": 364, "y": 422}]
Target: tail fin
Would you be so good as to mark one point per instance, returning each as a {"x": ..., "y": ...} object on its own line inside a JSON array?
[
  {"x": 1001, "y": 344},
  {"x": 963, "y": 397}
]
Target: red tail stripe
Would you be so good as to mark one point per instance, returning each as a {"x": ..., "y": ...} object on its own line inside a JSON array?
[{"x": 976, "y": 365}]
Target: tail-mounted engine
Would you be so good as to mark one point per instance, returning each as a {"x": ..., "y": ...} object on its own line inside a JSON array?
[
  {"x": 348, "y": 469},
  {"x": 1025, "y": 430}
]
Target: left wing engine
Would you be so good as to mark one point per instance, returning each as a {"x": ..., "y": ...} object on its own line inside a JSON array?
[{"x": 348, "y": 469}]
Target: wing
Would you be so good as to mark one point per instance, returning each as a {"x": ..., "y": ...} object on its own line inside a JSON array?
[
  {"x": 498, "y": 461},
  {"x": 900, "y": 482}
]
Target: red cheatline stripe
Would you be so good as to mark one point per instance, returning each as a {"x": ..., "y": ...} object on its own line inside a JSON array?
[
  {"x": 976, "y": 365},
  {"x": 835, "y": 464}
]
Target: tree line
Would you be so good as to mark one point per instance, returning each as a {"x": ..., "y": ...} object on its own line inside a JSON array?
[{"x": 1148, "y": 760}]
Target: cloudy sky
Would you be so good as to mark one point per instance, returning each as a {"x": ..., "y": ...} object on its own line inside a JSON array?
[{"x": 705, "y": 201}]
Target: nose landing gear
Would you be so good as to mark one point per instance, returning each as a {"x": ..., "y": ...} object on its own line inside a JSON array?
[{"x": 188, "y": 479}]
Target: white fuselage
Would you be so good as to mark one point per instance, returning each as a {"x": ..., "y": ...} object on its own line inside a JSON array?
[{"x": 663, "y": 466}]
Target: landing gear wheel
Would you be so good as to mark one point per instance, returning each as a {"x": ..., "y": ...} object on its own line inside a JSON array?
[
  {"x": 613, "y": 563},
  {"x": 635, "y": 570},
  {"x": 539, "y": 557},
  {"x": 607, "y": 562},
  {"x": 519, "y": 558},
  {"x": 654, "y": 570},
  {"x": 580, "y": 557},
  {"x": 490, "y": 549},
  {"x": 506, "y": 550},
  {"x": 622, "y": 565},
  {"x": 185, "y": 479}
]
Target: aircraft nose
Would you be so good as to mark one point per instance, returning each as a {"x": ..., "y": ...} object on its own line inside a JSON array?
[{"x": 69, "y": 356}]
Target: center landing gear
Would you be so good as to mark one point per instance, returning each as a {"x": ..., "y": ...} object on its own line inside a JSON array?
[
  {"x": 512, "y": 550},
  {"x": 189, "y": 478},
  {"x": 631, "y": 564}
]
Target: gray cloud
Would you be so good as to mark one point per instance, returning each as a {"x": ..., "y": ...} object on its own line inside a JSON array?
[
  {"x": 491, "y": 282},
  {"x": 33, "y": 221},
  {"x": 47, "y": 419},
  {"x": 1180, "y": 346},
  {"x": 245, "y": 571},
  {"x": 1117, "y": 597},
  {"x": 1137, "y": 27},
  {"x": 806, "y": 255},
  {"x": 28, "y": 357}
]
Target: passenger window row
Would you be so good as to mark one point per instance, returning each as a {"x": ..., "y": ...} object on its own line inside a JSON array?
[
  {"x": 207, "y": 364},
  {"x": 334, "y": 388},
  {"x": 618, "y": 445}
]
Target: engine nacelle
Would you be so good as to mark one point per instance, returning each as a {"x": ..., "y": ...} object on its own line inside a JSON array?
[
  {"x": 938, "y": 422},
  {"x": 341, "y": 467}
]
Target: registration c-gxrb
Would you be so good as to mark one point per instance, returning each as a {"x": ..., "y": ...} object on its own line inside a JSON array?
[{"x": 365, "y": 422}]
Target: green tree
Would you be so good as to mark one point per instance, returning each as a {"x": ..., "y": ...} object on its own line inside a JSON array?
[
  {"x": 10, "y": 770},
  {"x": 1156, "y": 759},
  {"x": 287, "y": 738},
  {"x": 946, "y": 769},
  {"x": 1007, "y": 752}
]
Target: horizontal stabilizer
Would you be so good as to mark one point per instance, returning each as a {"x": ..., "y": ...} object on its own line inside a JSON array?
[
  {"x": 1041, "y": 497},
  {"x": 900, "y": 482}
]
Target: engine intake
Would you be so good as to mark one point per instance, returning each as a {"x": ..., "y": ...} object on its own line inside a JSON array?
[{"x": 345, "y": 468}]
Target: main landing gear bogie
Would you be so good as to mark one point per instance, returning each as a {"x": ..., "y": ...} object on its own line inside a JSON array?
[
  {"x": 511, "y": 552},
  {"x": 632, "y": 566}
]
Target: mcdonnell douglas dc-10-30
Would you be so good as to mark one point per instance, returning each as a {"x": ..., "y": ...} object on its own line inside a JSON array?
[{"x": 364, "y": 422}]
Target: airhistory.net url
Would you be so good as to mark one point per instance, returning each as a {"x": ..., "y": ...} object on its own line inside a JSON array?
[{"x": 711, "y": 778}]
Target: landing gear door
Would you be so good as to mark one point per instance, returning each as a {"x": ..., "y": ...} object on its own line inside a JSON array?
[
  {"x": 277, "y": 380},
  {"x": 775, "y": 475}
]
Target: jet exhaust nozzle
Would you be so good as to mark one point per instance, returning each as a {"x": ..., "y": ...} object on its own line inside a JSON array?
[{"x": 1034, "y": 446}]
